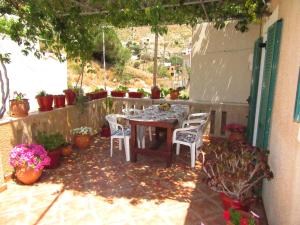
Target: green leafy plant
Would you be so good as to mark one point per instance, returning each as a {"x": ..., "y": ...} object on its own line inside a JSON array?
[
  {"x": 122, "y": 88},
  {"x": 98, "y": 89},
  {"x": 146, "y": 94},
  {"x": 51, "y": 142},
  {"x": 19, "y": 96},
  {"x": 41, "y": 93},
  {"x": 183, "y": 95},
  {"x": 164, "y": 92},
  {"x": 237, "y": 217}
]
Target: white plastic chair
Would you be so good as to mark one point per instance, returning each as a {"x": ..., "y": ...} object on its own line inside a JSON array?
[
  {"x": 190, "y": 136},
  {"x": 120, "y": 132},
  {"x": 203, "y": 116},
  {"x": 140, "y": 129}
]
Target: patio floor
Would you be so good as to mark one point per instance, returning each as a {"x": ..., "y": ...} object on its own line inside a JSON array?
[{"x": 90, "y": 187}]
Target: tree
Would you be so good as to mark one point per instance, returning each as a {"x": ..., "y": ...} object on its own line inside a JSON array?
[{"x": 71, "y": 26}]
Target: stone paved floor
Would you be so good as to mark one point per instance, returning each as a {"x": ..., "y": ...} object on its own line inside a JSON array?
[{"x": 90, "y": 187}]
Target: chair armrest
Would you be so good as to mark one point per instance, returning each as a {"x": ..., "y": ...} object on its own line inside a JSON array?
[
  {"x": 205, "y": 115},
  {"x": 192, "y": 121}
]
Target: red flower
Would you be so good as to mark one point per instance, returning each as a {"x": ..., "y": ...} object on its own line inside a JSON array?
[
  {"x": 244, "y": 221},
  {"x": 226, "y": 215},
  {"x": 235, "y": 128}
]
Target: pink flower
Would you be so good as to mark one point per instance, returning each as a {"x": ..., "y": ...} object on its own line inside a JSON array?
[
  {"x": 226, "y": 215},
  {"x": 30, "y": 155}
]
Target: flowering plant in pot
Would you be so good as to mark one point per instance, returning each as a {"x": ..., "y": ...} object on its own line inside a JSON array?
[
  {"x": 119, "y": 91},
  {"x": 82, "y": 137},
  {"x": 59, "y": 101},
  {"x": 19, "y": 106},
  {"x": 28, "y": 161},
  {"x": 45, "y": 101},
  {"x": 239, "y": 217},
  {"x": 234, "y": 170},
  {"x": 52, "y": 143},
  {"x": 236, "y": 132}
]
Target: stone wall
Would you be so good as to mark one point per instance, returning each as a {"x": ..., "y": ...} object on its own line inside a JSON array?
[{"x": 63, "y": 120}]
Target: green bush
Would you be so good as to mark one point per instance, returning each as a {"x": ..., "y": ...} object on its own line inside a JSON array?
[
  {"x": 176, "y": 60},
  {"x": 136, "y": 64},
  {"x": 50, "y": 142}
]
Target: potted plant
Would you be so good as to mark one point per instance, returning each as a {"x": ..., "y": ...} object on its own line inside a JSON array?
[
  {"x": 236, "y": 132},
  {"x": 105, "y": 130},
  {"x": 136, "y": 94},
  {"x": 164, "y": 92},
  {"x": 45, "y": 101},
  {"x": 174, "y": 93},
  {"x": 28, "y": 161},
  {"x": 155, "y": 92},
  {"x": 239, "y": 217},
  {"x": 19, "y": 106},
  {"x": 82, "y": 137},
  {"x": 234, "y": 170},
  {"x": 59, "y": 101},
  {"x": 70, "y": 96},
  {"x": 52, "y": 143},
  {"x": 100, "y": 93},
  {"x": 66, "y": 149},
  {"x": 145, "y": 93},
  {"x": 119, "y": 91}
]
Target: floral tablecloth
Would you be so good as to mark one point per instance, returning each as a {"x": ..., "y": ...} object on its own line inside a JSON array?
[{"x": 153, "y": 113}]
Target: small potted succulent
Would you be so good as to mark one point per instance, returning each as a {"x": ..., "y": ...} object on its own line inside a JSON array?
[
  {"x": 174, "y": 94},
  {"x": 82, "y": 137},
  {"x": 28, "y": 161},
  {"x": 52, "y": 143},
  {"x": 59, "y": 101},
  {"x": 155, "y": 92},
  {"x": 19, "y": 106},
  {"x": 66, "y": 149},
  {"x": 45, "y": 101},
  {"x": 119, "y": 91},
  {"x": 70, "y": 96},
  {"x": 236, "y": 132},
  {"x": 239, "y": 217},
  {"x": 235, "y": 170}
]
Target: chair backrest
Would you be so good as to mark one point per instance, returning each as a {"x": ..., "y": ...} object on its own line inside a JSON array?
[
  {"x": 203, "y": 116},
  {"x": 112, "y": 120},
  {"x": 131, "y": 111}
]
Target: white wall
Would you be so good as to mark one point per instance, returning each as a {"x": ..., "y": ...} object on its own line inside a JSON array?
[
  {"x": 30, "y": 75},
  {"x": 222, "y": 63}
]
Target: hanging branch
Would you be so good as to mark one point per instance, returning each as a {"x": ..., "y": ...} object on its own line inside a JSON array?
[{"x": 4, "y": 83}]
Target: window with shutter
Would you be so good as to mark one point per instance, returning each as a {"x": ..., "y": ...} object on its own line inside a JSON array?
[
  {"x": 297, "y": 103},
  {"x": 254, "y": 89},
  {"x": 268, "y": 85}
]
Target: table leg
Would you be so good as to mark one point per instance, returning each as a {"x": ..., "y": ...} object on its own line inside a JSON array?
[
  {"x": 169, "y": 146},
  {"x": 133, "y": 143}
]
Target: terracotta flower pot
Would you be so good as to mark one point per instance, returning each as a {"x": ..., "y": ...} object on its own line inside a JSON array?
[
  {"x": 118, "y": 94},
  {"x": 19, "y": 108},
  {"x": 134, "y": 94},
  {"x": 27, "y": 175},
  {"x": 59, "y": 101},
  {"x": 82, "y": 141},
  {"x": 155, "y": 92},
  {"x": 55, "y": 157},
  {"x": 236, "y": 137},
  {"x": 45, "y": 102},
  {"x": 70, "y": 96},
  {"x": 174, "y": 94},
  {"x": 91, "y": 96},
  {"x": 232, "y": 203},
  {"x": 66, "y": 150}
]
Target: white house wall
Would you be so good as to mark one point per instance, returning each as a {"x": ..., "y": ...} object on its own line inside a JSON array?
[
  {"x": 222, "y": 63},
  {"x": 30, "y": 75}
]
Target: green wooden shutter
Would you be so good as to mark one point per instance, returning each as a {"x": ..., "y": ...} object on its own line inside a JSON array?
[
  {"x": 297, "y": 103},
  {"x": 254, "y": 88},
  {"x": 268, "y": 85}
]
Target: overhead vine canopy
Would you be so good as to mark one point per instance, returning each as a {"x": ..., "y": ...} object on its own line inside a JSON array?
[{"x": 71, "y": 25}]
